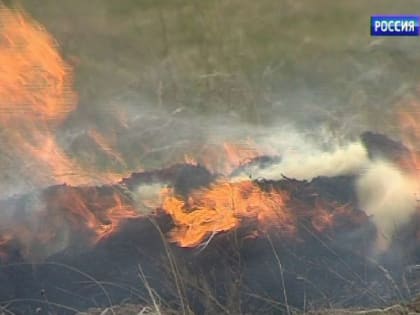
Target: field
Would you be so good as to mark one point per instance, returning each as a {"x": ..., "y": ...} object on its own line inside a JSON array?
[
  {"x": 263, "y": 62},
  {"x": 234, "y": 116}
]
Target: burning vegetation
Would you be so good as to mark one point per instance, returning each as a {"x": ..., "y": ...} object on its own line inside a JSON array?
[{"x": 229, "y": 228}]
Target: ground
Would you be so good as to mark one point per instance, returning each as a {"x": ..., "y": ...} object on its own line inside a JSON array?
[{"x": 409, "y": 309}]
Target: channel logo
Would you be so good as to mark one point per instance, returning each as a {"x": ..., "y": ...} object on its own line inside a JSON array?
[{"x": 394, "y": 25}]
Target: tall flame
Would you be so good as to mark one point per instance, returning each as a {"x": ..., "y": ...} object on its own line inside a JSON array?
[
  {"x": 35, "y": 82},
  {"x": 35, "y": 96}
]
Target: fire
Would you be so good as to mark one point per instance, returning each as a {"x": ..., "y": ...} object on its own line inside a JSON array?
[
  {"x": 226, "y": 206},
  {"x": 106, "y": 146},
  {"x": 238, "y": 154},
  {"x": 98, "y": 210},
  {"x": 61, "y": 215},
  {"x": 409, "y": 117},
  {"x": 221, "y": 208},
  {"x": 326, "y": 216},
  {"x": 224, "y": 158},
  {"x": 35, "y": 82},
  {"x": 35, "y": 95}
]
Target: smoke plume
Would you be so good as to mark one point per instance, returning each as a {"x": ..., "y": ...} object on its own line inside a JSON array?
[{"x": 388, "y": 196}]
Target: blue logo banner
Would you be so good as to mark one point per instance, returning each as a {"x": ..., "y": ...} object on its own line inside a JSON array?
[{"x": 394, "y": 25}]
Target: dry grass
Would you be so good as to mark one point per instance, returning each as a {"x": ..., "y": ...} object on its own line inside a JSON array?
[
  {"x": 250, "y": 58},
  {"x": 256, "y": 61},
  {"x": 263, "y": 62}
]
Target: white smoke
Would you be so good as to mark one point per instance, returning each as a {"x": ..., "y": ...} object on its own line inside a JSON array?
[
  {"x": 384, "y": 192},
  {"x": 388, "y": 196},
  {"x": 342, "y": 160},
  {"x": 148, "y": 197}
]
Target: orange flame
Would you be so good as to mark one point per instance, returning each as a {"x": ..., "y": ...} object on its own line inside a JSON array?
[
  {"x": 35, "y": 95},
  {"x": 57, "y": 216},
  {"x": 222, "y": 208},
  {"x": 226, "y": 206},
  {"x": 35, "y": 82},
  {"x": 105, "y": 145},
  {"x": 87, "y": 207},
  {"x": 409, "y": 118}
]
